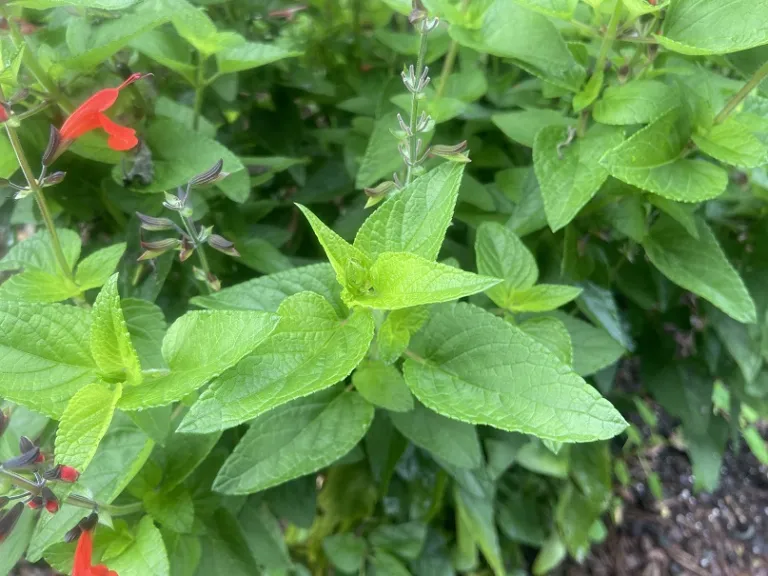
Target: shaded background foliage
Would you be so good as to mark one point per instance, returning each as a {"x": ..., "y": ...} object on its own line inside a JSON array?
[{"x": 620, "y": 163}]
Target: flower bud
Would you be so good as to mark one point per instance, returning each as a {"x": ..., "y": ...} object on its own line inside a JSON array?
[
  {"x": 62, "y": 473},
  {"x": 187, "y": 249},
  {"x": 3, "y": 113},
  {"x": 9, "y": 519},
  {"x": 381, "y": 190},
  {"x": 24, "y": 460},
  {"x": 210, "y": 176},
  {"x": 223, "y": 245},
  {"x": 457, "y": 153},
  {"x": 35, "y": 503},
  {"x": 158, "y": 248},
  {"x": 53, "y": 179},
  {"x": 50, "y": 501},
  {"x": 155, "y": 224},
  {"x": 52, "y": 150}
]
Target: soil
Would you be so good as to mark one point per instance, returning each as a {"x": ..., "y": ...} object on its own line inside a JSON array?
[{"x": 720, "y": 534}]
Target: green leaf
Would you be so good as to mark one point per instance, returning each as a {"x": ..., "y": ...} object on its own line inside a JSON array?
[
  {"x": 44, "y": 355},
  {"x": 293, "y": 440},
  {"x": 650, "y": 159},
  {"x": 345, "y": 551},
  {"x": 530, "y": 39},
  {"x": 699, "y": 266},
  {"x": 251, "y": 55},
  {"x": 635, "y": 102},
  {"x": 387, "y": 565},
  {"x": 543, "y": 298},
  {"x": 501, "y": 254},
  {"x": 396, "y": 331},
  {"x": 108, "y": 38},
  {"x": 8, "y": 162},
  {"x": 536, "y": 457},
  {"x": 10, "y": 68},
  {"x": 553, "y": 334},
  {"x": 402, "y": 280},
  {"x": 179, "y": 153},
  {"x": 94, "y": 270},
  {"x": 696, "y": 27},
  {"x": 741, "y": 341},
  {"x": 405, "y": 540},
  {"x": 262, "y": 256},
  {"x": 382, "y": 385},
  {"x": 415, "y": 218},
  {"x": 41, "y": 278},
  {"x": 184, "y": 453},
  {"x": 173, "y": 510},
  {"x": 98, "y": 4},
  {"x": 146, "y": 556},
  {"x": 639, "y": 7},
  {"x": 452, "y": 441},
  {"x": 225, "y": 550},
  {"x": 146, "y": 326},
  {"x": 683, "y": 213},
  {"x": 121, "y": 454},
  {"x": 590, "y": 92},
  {"x": 558, "y": 8},
  {"x": 593, "y": 348},
  {"x": 268, "y": 292},
  {"x": 381, "y": 156},
  {"x": 732, "y": 142},
  {"x": 166, "y": 48},
  {"x": 198, "y": 347},
  {"x": 501, "y": 377},
  {"x": 522, "y": 126},
  {"x": 264, "y": 534},
  {"x": 475, "y": 510},
  {"x": 15, "y": 543},
  {"x": 311, "y": 349},
  {"x": 111, "y": 345},
  {"x": 347, "y": 260},
  {"x": 570, "y": 174},
  {"x": 84, "y": 423},
  {"x": 550, "y": 556}
]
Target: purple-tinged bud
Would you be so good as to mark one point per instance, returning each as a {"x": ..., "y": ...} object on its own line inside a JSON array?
[
  {"x": 53, "y": 179},
  {"x": 155, "y": 224},
  {"x": 457, "y": 153},
  {"x": 158, "y": 248},
  {"x": 51, "y": 151},
  {"x": 9, "y": 519},
  {"x": 223, "y": 245},
  {"x": 24, "y": 460},
  {"x": 210, "y": 176},
  {"x": 50, "y": 501}
]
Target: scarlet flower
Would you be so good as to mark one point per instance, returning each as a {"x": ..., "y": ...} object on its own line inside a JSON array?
[
  {"x": 3, "y": 114},
  {"x": 90, "y": 115},
  {"x": 82, "y": 565}
]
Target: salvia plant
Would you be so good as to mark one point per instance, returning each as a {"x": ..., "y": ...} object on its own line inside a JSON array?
[{"x": 352, "y": 286}]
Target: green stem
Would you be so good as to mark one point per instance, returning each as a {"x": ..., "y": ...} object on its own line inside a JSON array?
[
  {"x": 757, "y": 77},
  {"x": 39, "y": 195},
  {"x": 200, "y": 85},
  {"x": 610, "y": 36},
  {"x": 189, "y": 226},
  {"x": 415, "y": 108},
  {"x": 30, "y": 61},
  {"x": 450, "y": 59},
  {"x": 32, "y": 111}
]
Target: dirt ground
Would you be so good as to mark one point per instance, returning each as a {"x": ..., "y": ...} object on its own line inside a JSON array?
[{"x": 720, "y": 534}]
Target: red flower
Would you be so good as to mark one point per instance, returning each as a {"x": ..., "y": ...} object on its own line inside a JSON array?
[
  {"x": 3, "y": 114},
  {"x": 82, "y": 565},
  {"x": 68, "y": 474},
  {"x": 90, "y": 115}
]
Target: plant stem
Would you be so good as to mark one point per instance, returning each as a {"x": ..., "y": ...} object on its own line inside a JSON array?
[
  {"x": 450, "y": 59},
  {"x": 189, "y": 226},
  {"x": 610, "y": 36},
  {"x": 30, "y": 61},
  {"x": 757, "y": 77},
  {"x": 415, "y": 108},
  {"x": 199, "y": 88},
  {"x": 39, "y": 195}
]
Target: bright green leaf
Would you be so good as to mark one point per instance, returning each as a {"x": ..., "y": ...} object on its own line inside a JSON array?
[
  {"x": 382, "y": 385},
  {"x": 84, "y": 423},
  {"x": 699, "y": 266},
  {"x": 522, "y": 126},
  {"x": 94, "y": 270},
  {"x": 396, "y": 331},
  {"x": 553, "y": 334},
  {"x": 635, "y": 102},
  {"x": 543, "y": 298},
  {"x": 311, "y": 349},
  {"x": 501, "y": 377},
  {"x": 295, "y": 439},
  {"x": 146, "y": 556},
  {"x": 345, "y": 551},
  {"x": 732, "y": 142},
  {"x": 251, "y": 55}
]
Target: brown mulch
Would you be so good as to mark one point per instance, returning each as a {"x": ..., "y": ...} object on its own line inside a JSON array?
[{"x": 720, "y": 534}]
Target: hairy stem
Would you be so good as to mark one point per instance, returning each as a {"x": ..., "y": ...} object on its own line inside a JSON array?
[
  {"x": 737, "y": 99},
  {"x": 200, "y": 85},
  {"x": 34, "y": 186},
  {"x": 189, "y": 226},
  {"x": 415, "y": 108}
]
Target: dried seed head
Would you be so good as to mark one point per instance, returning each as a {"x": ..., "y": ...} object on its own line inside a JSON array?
[
  {"x": 223, "y": 245},
  {"x": 155, "y": 224},
  {"x": 210, "y": 176}
]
